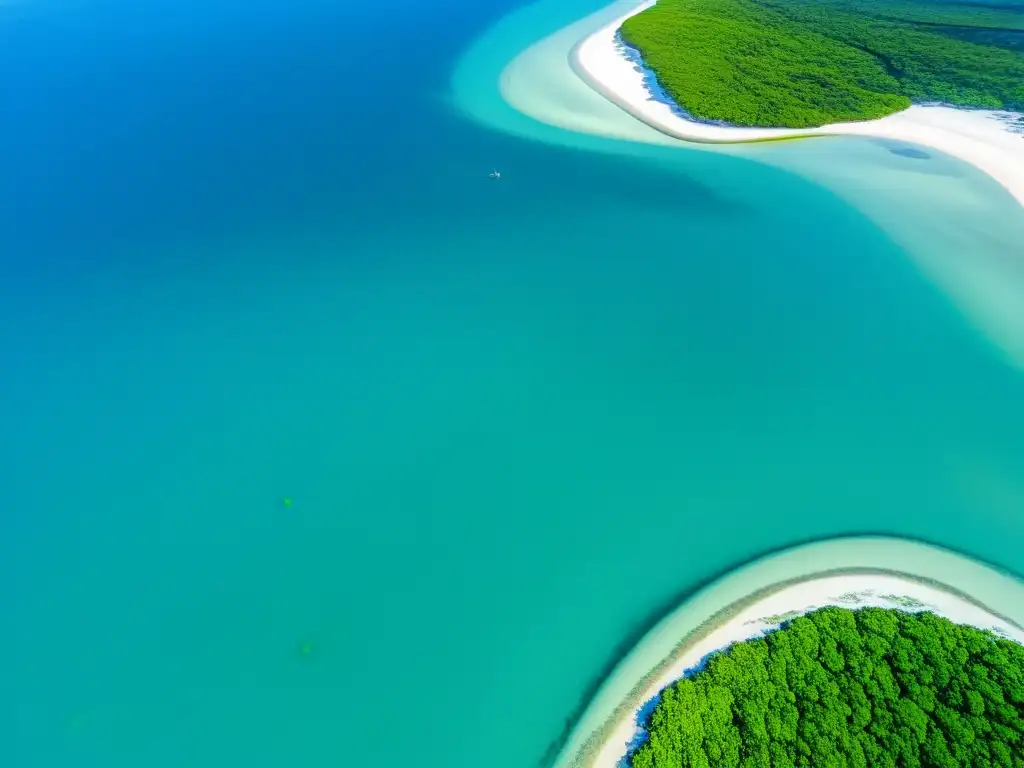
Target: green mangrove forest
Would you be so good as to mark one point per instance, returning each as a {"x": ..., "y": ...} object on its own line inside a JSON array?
[
  {"x": 837, "y": 688},
  {"x": 806, "y": 63}
]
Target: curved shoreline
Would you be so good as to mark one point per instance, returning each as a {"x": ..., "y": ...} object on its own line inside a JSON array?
[
  {"x": 978, "y": 137},
  {"x": 601, "y": 736}
]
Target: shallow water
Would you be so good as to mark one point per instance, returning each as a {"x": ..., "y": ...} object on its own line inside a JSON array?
[
  {"x": 962, "y": 229},
  {"x": 839, "y": 571},
  {"x": 233, "y": 273}
]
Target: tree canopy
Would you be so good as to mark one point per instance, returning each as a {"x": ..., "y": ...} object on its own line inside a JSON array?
[
  {"x": 801, "y": 63},
  {"x": 870, "y": 688}
]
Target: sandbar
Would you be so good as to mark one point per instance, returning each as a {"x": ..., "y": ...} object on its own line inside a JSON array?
[
  {"x": 989, "y": 140},
  {"x": 855, "y": 572}
]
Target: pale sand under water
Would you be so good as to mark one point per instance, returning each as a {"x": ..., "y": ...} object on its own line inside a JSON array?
[
  {"x": 962, "y": 228},
  {"x": 926, "y": 205},
  {"x": 846, "y": 572},
  {"x": 980, "y": 137}
]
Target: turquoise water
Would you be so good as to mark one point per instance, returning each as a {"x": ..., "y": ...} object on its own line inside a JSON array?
[{"x": 234, "y": 273}]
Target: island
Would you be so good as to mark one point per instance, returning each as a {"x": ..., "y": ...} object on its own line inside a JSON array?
[
  {"x": 802, "y": 64},
  {"x": 838, "y": 687},
  {"x": 949, "y": 76},
  {"x": 851, "y": 666}
]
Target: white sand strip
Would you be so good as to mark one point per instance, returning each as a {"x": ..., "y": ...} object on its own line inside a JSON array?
[
  {"x": 982, "y": 138},
  {"x": 852, "y": 591},
  {"x": 848, "y": 572},
  {"x": 960, "y": 226}
]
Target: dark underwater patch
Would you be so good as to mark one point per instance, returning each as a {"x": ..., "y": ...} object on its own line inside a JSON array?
[{"x": 911, "y": 152}]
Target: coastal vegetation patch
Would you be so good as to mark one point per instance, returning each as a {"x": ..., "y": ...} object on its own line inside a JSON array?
[
  {"x": 838, "y": 687},
  {"x": 801, "y": 64}
]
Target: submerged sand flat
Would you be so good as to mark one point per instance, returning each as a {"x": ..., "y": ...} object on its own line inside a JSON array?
[
  {"x": 852, "y": 572},
  {"x": 982, "y": 138},
  {"x": 961, "y": 227}
]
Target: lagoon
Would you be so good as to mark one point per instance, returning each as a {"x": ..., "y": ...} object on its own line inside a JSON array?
[{"x": 236, "y": 272}]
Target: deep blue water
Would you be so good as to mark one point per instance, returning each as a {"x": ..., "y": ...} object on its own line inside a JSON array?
[{"x": 250, "y": 252}]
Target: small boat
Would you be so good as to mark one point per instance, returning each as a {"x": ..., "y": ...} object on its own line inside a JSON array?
[{"x": 494, "y": 175}]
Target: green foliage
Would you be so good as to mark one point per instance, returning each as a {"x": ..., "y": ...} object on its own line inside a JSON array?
[
  {"x": 987, "y": 14},
  {"x": 848, "y": 689},
  {"x": 798, "y": 64}
]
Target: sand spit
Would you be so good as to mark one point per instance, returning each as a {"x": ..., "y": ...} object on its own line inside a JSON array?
[
  {"x": 853, "y": 572},
  {"x": 990, "y": 141}
]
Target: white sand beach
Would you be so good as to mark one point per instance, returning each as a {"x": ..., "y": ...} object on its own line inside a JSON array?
[
  {"x": 962, "y": 227},
  {"x": 854, "y": 572},
  {"x": 982, "y": 138},
  {"x": 851, "y": 591}
]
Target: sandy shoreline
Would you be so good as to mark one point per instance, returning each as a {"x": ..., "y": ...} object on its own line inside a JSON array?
[
  {"x": 757, "y": 597},
  {"x": 765, "y": 611},
  {"x": 981, "y": 138}
]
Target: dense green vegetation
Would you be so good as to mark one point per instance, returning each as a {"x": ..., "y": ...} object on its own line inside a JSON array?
[
  {"x": 951, "y": 13},
  {"x": 848, "y": 689},
  {"x": 803, "y": 63}
]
